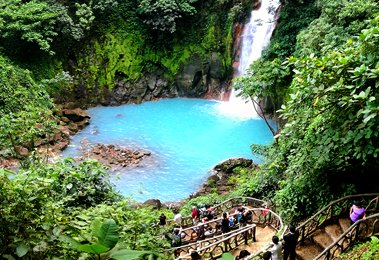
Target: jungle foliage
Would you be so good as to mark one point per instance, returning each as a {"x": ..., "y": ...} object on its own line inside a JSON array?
[
  {"x": 328, "y": 88},
  {"x": 71, "y": 210},
  {"x": 321, "y": 69},
  {"x": 101, "y": 42},
  {"x": 53, "y": 47}
]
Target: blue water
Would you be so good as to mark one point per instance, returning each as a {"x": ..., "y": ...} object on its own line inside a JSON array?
[{"x": 186, "y": 137}]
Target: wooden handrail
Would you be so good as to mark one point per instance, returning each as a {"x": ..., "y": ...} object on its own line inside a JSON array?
[
  {"x": 224, "y": 243},
  {"x": 226, "y": 205},
  {"x": 342, "y": 205},
  {"x": 361, "y": 229},
  {"x": 334, "y": 209}
]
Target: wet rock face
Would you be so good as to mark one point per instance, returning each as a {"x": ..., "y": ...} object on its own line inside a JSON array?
[
  {"x": 189, "y": 80},
  {"x": 201, "y": 77},
  {"x": 151, "y": 87},
  {"x": 198, "y": 77}
]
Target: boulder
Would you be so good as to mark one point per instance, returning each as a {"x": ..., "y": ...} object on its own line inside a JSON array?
[
  {"x": 138, "y": 90},
  {"x": 73, "y": 128},
  {"x": 229, "y": 165},
  {"x": 151, "y": 82},
  {"x": 154, "y": 203},
  {"x": 21, "y": 150},
  {"x": 76, "y": 114}
]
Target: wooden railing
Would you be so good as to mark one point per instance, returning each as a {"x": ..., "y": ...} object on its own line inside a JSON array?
[
  {"x": 215, "y": 247},
  {"x": 334, "y": 210},
  {"x": 248, "y": 232},
  {"x": 226, "y": 206},
  {"x": 357, "y": 232}
]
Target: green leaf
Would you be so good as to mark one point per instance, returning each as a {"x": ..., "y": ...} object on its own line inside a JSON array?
[
  {"x": 227, "y": 256},
  {"x": 108, "y": 233},
  {"x": 96, "y": 227},
  {"x": 8, "y": 257},
  {"x": 22, "y": 250},
  {"x": 127, "y": 254},
  {"x": 72, "y": 242},
  {"x": 93, "y": 248},
  {"x": 368, "y": 118}
]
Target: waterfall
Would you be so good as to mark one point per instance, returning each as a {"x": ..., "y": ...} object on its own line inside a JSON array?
[{"x": 255, "y": 37}]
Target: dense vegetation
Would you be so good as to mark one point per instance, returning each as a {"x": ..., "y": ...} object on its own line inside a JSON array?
[
  {"x": 321, "y": 70},
  {"x": 52, "y": 50},
  {"x": 57, "y": 210},
  {"x": 327, "y": 85}
]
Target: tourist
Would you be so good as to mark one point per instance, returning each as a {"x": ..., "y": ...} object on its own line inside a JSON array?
[
  {"x": 276, "y": 250},
  {"x": 267, "y": 255},
  {"x": 178, "y": 219},
  {"x": 357, "y": 212},
  {"x": 195, "y": 255},
  {"x": 162, "y": 220},
  {"x": 209, "y": 231},
  {"x": 225, "y": 228},
  {"x": 232, "y": 221},
  {"x": 211, "y": 213},
  {"x": 199, "y": 231},
  {"x": 203, "y": 211},
  {"x": 241, "y": 218},
  {"x": 290, "y": 241},
  {"x": 195, "y": 215},
  {"x": 249, "y": 216},
  {"x": 242, "y": 255},
  {"x": 176, "y": 238}
]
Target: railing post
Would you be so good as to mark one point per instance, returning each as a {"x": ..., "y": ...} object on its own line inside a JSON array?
[
  {"x": 303, "y": 234},
  {"x": 226, "y": 246}
]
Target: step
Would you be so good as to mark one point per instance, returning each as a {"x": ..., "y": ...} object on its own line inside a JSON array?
[
  {"x": 334, "y": 231},
  {"x": 322, "y": 238},
  {"x": 263, "y": 235},
  {"x": 344, "y": 223},
  {"x": 308, "y": 250}
]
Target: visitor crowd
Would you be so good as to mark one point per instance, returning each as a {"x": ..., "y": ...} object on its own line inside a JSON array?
[{"x": 206, "y": 224}]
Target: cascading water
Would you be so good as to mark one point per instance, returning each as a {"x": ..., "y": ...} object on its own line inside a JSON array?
[
  {"x": 257, "y": 33},
  {"x": 255, "y": 37}
]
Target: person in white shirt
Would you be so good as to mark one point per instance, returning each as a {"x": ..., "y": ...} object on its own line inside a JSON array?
[
  {"x": 178, "y": 219},
  {"x": 276, "y": 250}
]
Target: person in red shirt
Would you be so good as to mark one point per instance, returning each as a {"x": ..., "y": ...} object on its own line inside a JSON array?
[{"x": 195, "y": 215}]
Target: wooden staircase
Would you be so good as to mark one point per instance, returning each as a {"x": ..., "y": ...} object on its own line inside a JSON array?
[
  {"x": 321, "y": 239},
  {"x": 328, "y": 233}
]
